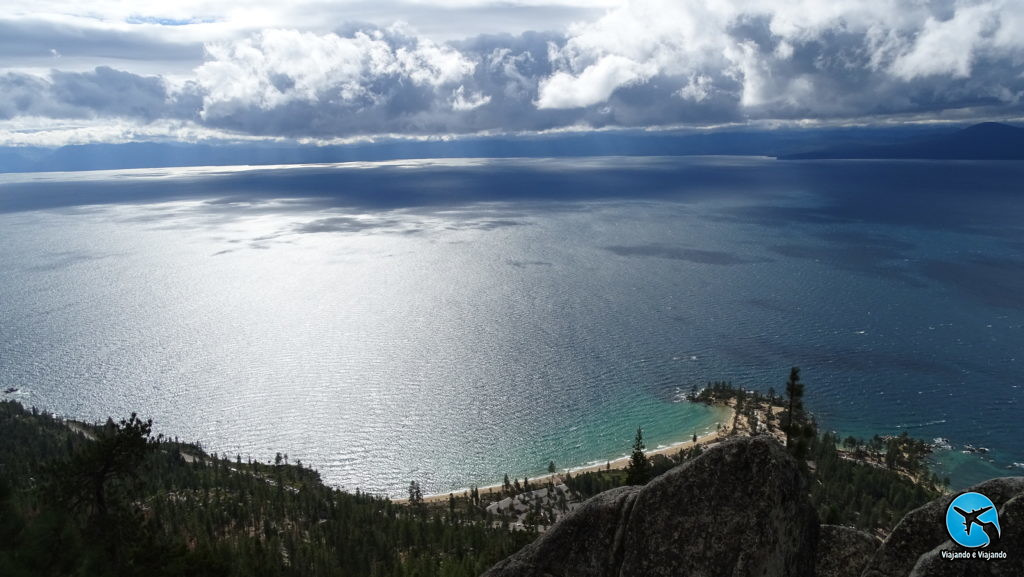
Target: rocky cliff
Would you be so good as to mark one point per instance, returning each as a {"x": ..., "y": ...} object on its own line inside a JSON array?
[{"x": 741, "y": 509}]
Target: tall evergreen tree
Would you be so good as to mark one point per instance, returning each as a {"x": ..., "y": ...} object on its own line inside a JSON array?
[
  {"x": 639, "y": 468},
  {"x": 794, "y": 396},
  {"x": 415, "y": 494}
]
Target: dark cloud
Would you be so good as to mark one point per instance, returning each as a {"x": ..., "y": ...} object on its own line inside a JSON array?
[
  {"x": 103, "y": 92},
  {"x": 106, "y": 91},
  {"x": 27, "y": 95}
]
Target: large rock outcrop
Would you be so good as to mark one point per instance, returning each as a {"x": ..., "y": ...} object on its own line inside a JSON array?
[
  {"x": 585, "y": 543},
  {"x": 1011, "y": 518},
  {"x": 915, "y": 545},
  {"x": 843, "y": 551},
  {"x": 740, "y": 509}
]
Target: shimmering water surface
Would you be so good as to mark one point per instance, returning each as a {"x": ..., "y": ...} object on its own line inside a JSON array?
[{"x": 450, "y": 321}]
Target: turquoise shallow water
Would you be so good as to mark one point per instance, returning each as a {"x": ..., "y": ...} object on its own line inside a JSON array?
[{"x": 451, "y": 321}]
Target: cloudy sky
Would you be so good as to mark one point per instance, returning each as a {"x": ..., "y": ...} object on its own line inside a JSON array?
[{"x": 342, "y": 70}]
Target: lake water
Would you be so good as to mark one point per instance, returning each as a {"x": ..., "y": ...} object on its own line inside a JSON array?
[{"x": 450, "y": 321}]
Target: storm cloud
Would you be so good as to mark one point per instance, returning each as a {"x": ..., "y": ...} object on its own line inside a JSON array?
[{"x": 640, "y": 64}]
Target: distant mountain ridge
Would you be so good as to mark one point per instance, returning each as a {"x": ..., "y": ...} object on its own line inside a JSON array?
[
  {"x": 988, "y": 141},
  {"x": 985, "y": 141},
  {"x": 110, "y": 156}
]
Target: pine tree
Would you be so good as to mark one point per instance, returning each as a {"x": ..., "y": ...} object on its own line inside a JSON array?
[
  {"x": 639, "y": 468},
  {"x": 794, "y": 394},
  {"x": 105, "y": 466},
  {"x": 415, "y": 494}
]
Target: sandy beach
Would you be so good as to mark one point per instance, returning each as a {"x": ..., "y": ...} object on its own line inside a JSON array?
[{"x": 617, "y": 463}]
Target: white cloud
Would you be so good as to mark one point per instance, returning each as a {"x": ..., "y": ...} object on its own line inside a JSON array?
[
  {"x": 461, "y": 100},
  {"x": 593, "y": 85},
  {"x": 947, "y": 47},
  {"x": 276, "y": 67},
  {"x": 750, "y": 69},
  {"x": 697, "y": 89},
  {"x": 629, "y": 45},
  {"x": 43, "y": 131},
  {"x": 780, "y": 54}
]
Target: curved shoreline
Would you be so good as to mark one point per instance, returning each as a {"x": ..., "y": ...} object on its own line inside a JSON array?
[{"x": 617, "y": 463}]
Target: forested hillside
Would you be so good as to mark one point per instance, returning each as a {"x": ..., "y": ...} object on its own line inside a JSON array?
[{"x": 115, "y": 500}]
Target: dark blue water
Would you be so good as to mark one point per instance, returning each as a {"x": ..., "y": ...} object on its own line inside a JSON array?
[{"x": 453, "y": 320}]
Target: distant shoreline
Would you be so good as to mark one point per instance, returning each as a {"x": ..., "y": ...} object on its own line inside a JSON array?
[{"x": 616, "y": 463}]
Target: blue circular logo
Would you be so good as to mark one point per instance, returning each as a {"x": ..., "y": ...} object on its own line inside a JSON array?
[{"x": 972, "y": 520}]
